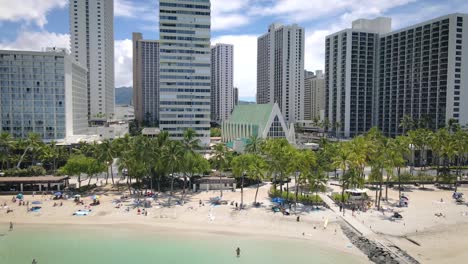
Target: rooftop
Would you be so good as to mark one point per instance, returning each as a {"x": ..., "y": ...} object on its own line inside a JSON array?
[{"x": 35, "y": 179}]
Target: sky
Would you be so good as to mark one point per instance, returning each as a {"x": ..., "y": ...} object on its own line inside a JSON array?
[{"x": 35, "y": 24}]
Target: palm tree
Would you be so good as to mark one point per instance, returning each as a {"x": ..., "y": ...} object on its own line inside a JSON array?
[
  {"x": 190, "y": 144},
  {"x": 407, "y": 123},
  {"x": 173, "y": 156},
  {"x": 254, "y": 144},
  {"x": 7, "y": 144},
  {"x": 342, "y": 161},
  {"x": 301, "y": 162},
  {"x": 106, "y": 153},
  {"x": 240, "y": 166},
  {"x": 257, "y": 171},
  {"x": 220, "y": 161},
  {"x": 33, "y": 144},
  {"x": 277, "y": 153},
  {"x": 318, "y": 182},
  {"x": 400, "y": 148},
  {"x": 50, "y": 153}
]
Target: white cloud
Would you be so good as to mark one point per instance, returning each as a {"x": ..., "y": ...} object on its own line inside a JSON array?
[
  {"x": 144, "y": 10},
  {"x": 306, "y": 10},
  {"x": 245, "y": 61},
  {"x": 123, "y": 63},
  {"x": 229, "y": 14},
  {"x": 37, "y": 41},
  {"x": 29, "y": 10}
]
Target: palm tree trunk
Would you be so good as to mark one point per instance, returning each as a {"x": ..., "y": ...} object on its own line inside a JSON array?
[
  {"x": 242, "y": 193},
  {"x": 112, "y": 172},
  {"x": 343, "y": 189},
  {"x": 256, "y": 192},
  {"x": 386, "y": 186},
  {"x": 399, "y": 184},
  {"x": 172, "y": 188},
  {"x": 107, "y": 174},
  {"x": 380, "y": 188},
  {"x": 297, "y": 192},
  {"x": 129, "y": 184},
  {"x": 220, "y": 185}
]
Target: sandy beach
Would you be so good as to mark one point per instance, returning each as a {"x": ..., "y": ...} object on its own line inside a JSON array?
[
  {"x": 419, "y": 224},
  {"x": 190, "y": 217}
]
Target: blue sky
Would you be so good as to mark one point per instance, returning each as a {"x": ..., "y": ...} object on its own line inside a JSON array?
[{"x": 33, "y": 24}]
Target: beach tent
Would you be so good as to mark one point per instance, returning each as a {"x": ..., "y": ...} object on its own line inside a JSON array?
[
  {"x": 36, "y": 202},
  {"x": 57, "y": 193},
  {"x": 19, "y": 196},
  {"x": 277, "y": 200}
]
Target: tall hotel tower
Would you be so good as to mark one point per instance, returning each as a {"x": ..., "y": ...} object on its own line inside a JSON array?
[
  {"x": 92, "y": 45},
  {"x": 222, "y": 85},
  {"x": 145, "y": 79},
  {"x": 280, "y": 70},
  {"x": 185, "y": 69},
  {"x": 350, "y": 63}
]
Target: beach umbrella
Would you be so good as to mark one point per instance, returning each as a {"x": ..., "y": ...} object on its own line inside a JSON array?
[
  {"x": 36, "y": 202},
  {"x": 77, "y": 196},
  {"x": 57, "y": 193},
  {"x": 95, "y": 197},
  {"x": 19, "y": 196}
]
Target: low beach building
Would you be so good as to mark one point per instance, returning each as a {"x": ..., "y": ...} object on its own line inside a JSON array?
[
  {"x": 30, "y": 184},
  {"x": 214, "y": 183}
]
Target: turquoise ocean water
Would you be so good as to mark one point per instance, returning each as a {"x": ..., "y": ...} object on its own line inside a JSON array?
[{"x": 116, "y": 245}]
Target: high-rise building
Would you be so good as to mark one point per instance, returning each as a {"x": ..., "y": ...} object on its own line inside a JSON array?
[
  {"x": 92, "y": 45},
  {"x": 314, "y": 95},
  {"x": 43, "y": 93},
  {"x": 185, "y": 68},
  {"x": 146, "y": 80},
  {"x": 421, "y": 74},
  {"x": 236, "y": 96},
  {"x": 280, "y": 69},
  {"x": 222, "y": 85},
  {"x": 350, "y": 62},
  {"x": 415, "y": 71}
]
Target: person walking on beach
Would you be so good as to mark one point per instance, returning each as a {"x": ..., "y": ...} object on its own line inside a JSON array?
[
  {"x": 11, "y": 226},
  {"x": 238, "y": 252}
]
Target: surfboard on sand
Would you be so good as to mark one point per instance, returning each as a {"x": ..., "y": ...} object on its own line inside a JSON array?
[{"x": 325, "y": 224}]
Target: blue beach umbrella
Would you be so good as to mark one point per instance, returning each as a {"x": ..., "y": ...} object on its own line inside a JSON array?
[
  {"x": 19, "y": 196},
  {"x": 57, "y": 193}
]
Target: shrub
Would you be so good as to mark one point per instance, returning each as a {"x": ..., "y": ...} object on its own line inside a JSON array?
[
  {"x": 31, "y": 171},
  {"x": 304, "y": 199},
  {"x": 338, "y": 198}
]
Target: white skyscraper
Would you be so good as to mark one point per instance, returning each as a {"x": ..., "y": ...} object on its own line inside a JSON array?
[
  {"x": 350, "y": 63},
  {"x": 280, "y": 70},
  {"x": 92, "y": 45},
  {"x": 222, "y": 87},
  {"x": 314, "y": 95},
  {"x": 185, "y": 68},
  {"x": 47, "y": 98}
]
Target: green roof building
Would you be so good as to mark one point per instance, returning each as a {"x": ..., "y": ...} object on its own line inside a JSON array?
[{"x": 262, "y": 120}]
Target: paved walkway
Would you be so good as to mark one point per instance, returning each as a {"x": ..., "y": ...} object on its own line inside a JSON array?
[{"x": 351, "y": 220}]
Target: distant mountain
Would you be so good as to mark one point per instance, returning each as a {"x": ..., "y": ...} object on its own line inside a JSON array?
[
  {"x": 123, "y": 95},
  {"x": 245, "y": 102}
]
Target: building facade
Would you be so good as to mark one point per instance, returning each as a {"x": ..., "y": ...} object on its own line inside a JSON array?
[
  {"x": 316, "y": 84},
  {"x": 236, "y": 96},
  {"x": 421, "y": 74},
  {"x": 146, "y": 80},
  {"x": 185, "y": 68},
  {"x": 415, "y": 71},
  {"x": 43, "y": 93},
  {"x": 280, "y": 70},
  {"x": 92, "y": 45},
  {"x": 222, "y": 83},
  {"x": 350, "y": 62}
]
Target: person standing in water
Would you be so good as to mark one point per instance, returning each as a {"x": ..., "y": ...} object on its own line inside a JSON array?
[
  {"x": 11, "y": 226},
  {"x": 238, "y": 252},
  {"x": 34, "y": 261}
]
